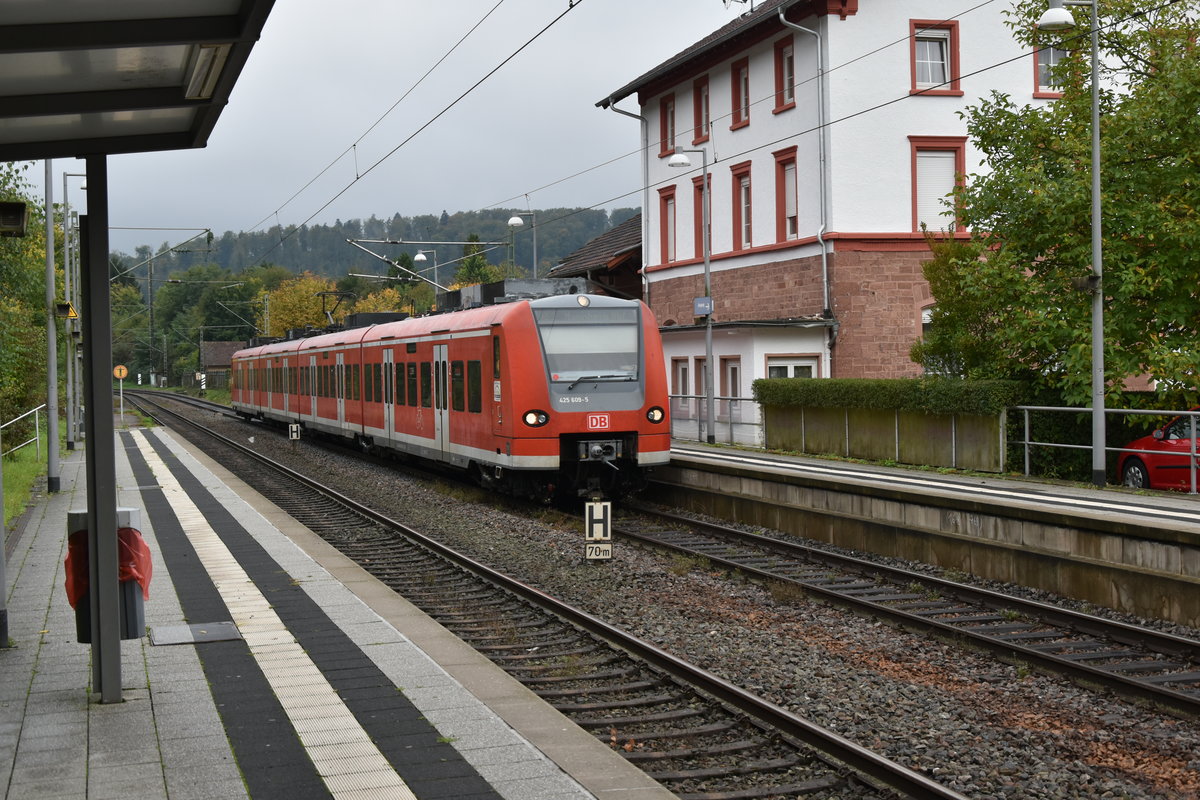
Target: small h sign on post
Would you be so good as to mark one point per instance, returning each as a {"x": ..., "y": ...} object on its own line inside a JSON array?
[{"x": 597, "y": 530}]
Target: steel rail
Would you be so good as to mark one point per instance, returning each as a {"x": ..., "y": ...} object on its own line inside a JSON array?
[
  {"x": 867, "y": 762},
  {"x": 1159, "y": 642}
]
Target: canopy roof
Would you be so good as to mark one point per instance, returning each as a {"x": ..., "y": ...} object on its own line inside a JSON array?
[{"x": 98, "y": 77}]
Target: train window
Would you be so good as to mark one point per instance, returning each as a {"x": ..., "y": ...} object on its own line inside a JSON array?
[
  {"x": 412, "y": 383},
  {"x": 377, "y": 396},
  {"x": 457, "y": 386},
  {"x": 368, "y": 384},
  {"x": 426, "y": 384},
  {"x": 495, "y": 356},
  {"x": 411, "y": 347},
  {"x": 475, "y": 386},
  {"x": 589, "y": 342},
  {"x": 291, "y": 381}
]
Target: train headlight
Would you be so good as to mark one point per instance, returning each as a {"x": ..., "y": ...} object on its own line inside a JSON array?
[
  {"x": 536, "y": 419},
  {"x": 656, "y": 415}
]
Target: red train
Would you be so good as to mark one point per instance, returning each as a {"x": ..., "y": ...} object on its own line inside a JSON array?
[{"x": 556, "y": 396}]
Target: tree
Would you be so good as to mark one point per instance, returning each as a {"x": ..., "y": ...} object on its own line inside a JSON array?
[
  {"x": 298, "y": 303},
  {"x": 387, "y": 299},
  {"x": 1030, "y": 215},
  {"x": 130, "y": 345},
  {"x": 474, "y": 267},
  {"x": 22, "y": 302}
]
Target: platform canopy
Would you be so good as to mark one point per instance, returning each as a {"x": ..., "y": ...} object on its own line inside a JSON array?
[{"x": 100, "y": 77}]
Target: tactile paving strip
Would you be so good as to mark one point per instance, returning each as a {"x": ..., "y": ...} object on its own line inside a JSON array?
[{"x": 342, "y": 752}]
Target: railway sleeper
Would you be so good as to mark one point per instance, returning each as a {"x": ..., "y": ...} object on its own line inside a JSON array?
[
  {"x": 783, "y": 790},
  {"x": 746, "y": 768},
  {"x": 544, "y": 656},
  {"x": 593, "y": 676},
  {"x": 606, "y": 705},
  {"x": 609, "y": 688},
  {"x": 740, "y": 746},
  {"x": 538, "y": 644},
  {"x": 666, "y": 716}
]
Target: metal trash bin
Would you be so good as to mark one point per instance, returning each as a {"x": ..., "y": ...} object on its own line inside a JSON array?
[{"x": 134, "y": 568}]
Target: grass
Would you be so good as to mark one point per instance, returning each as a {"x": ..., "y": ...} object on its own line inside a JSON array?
[{"x": 21, "y": 471}]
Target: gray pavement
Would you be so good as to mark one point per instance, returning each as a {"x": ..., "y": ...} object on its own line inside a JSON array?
[{"x": 167, "y": 740}]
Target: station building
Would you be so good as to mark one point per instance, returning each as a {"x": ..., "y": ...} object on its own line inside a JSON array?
[{"x": 831, "y": 134}]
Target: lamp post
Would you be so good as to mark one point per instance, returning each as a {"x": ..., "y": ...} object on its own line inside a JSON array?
[
  {"x": 679, "y": 159},
  {"x": 1057, "y": 18},
  {"x": 515, "y": 222},
  {"x": 420, "y": 258}
]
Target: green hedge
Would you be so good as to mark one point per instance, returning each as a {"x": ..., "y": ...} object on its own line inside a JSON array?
[{"x": 926, "y": 395}]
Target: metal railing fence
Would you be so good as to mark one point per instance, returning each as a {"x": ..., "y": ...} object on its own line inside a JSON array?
[
  {"x": 36, "y": 439},
  {"x": 1193, "y": 424},
  {"x": 738, "y": 420}
]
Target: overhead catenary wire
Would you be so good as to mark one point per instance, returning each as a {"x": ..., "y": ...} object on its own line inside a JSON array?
[
  {"x": 382, "y": 117},
  {"x": 844, "y": 118},
  {"x": 429, "y": 122}
]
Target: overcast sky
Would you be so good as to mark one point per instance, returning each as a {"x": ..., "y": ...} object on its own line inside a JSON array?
[{"x": 324, "y": 73}]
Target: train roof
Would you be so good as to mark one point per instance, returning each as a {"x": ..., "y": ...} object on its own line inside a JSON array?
[{"x": 467, "y": 319}]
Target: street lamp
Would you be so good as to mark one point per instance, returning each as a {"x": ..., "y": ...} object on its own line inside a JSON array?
[
  {"x": 515, "y": 222},
  {"x": 703, "y": 305},
  {"x": 1057, "y": 18},
  {"x": 420, "y": 258}
]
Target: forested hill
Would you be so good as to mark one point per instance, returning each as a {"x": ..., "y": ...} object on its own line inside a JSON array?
[{"x": 323, "y": 250}]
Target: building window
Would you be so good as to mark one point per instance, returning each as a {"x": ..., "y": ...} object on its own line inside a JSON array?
[
  {"x": 787, "y": 223},
  {"x": 785, "y": 75},
  {"x": 742, "y": 206},
  {"x": 666, "y": 201},
  {"x": 666, "y": 126},
  {"x": 679, "y": 387},
  {"x": 791, "y": 367},
  {"x": 740, "y": 76},
  {"x": 698, "y": 204},
  {"x": 1044, "y": 62},
  {"x": 731, "y": 389},
  {"x": 700, "y": 110},
  {"x": 938, "y": 163},
  {"x": 934, "y": 57}
]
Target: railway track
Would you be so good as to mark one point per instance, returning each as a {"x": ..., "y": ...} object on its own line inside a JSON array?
[
  {"x": 1134, "y": 662},
  {"x": 698, "y": 735}
]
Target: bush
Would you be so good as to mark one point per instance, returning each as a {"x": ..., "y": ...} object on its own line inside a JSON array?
[{"x": 925, "y": 395}]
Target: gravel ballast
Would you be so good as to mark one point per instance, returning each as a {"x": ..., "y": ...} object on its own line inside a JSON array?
[{"x": 982, "y": 727}]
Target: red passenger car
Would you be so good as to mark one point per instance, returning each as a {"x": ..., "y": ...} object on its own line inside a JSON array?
[{"x": 561, "y": 395}]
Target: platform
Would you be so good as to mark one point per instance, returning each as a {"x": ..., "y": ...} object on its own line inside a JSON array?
[{"x": 273, "y": 668}]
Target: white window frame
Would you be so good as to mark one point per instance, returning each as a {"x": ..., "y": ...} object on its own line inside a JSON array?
[{"x": 942, "y": 39}]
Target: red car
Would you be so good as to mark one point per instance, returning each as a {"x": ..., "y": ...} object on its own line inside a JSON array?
[{"x": 1169, "y": 464}]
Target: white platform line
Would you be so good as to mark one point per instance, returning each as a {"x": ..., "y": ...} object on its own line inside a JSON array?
[{"x": 344, "y": 755}]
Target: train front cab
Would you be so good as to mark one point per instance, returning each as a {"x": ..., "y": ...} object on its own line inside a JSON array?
[{"x": 588, "y": 393}]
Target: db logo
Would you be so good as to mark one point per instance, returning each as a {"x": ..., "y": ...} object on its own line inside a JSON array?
[{"x": 597, "y": 422}]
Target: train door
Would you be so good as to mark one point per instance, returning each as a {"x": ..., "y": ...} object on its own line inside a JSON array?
[
  {"x": 340, "y": 378},
  {"x": 389, "y": 399},
  {"x": 441, "y": 400},
  {"x": 286, "y": 386},
  {"x": 310, "y": 387}
]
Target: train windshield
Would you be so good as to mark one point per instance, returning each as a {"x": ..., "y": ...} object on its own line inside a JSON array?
[{"x": 589, "y": 343}]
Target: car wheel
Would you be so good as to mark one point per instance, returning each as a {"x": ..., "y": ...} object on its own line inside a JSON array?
[{"x": 1134, "y": 474}]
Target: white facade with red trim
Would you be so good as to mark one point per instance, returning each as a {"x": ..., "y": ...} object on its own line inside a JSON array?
[{"x": 895, "y": 77}]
